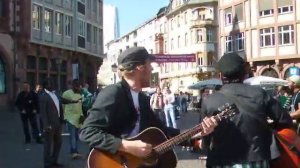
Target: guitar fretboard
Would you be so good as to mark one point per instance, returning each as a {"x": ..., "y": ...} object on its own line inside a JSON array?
[{"x": 167, "y": 145}]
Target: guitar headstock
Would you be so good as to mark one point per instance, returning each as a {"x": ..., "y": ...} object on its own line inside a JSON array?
[{"x": 227, "y": 111}]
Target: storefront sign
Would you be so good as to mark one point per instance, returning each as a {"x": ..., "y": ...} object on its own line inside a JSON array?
[
  {"x": 294, "y": 71},
  {"x": 160, "y": 58}
]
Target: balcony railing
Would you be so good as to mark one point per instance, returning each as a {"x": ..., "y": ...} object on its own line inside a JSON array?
[{"x": 201, "y": 23}]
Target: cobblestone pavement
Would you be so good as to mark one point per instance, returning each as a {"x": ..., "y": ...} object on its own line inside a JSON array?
[{"x": 14, "y": 154}]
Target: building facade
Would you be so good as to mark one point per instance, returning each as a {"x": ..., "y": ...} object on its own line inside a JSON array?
[
  {"x": 57, "y": 39},
  {"x": 191, "y": 28},
  {"x": 263, "y": 32},
  {"x": 182, "y": 27}
]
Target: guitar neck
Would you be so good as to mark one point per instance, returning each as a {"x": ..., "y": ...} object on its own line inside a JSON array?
[{"x": 169, "y": 144}]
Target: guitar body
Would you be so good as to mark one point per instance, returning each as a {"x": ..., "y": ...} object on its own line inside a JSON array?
[
  {"x": 288, "y": 157},
  {"x": 154, "y": 136}
]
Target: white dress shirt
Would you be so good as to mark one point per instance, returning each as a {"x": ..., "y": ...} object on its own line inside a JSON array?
[{"x": 55, "y": 100}]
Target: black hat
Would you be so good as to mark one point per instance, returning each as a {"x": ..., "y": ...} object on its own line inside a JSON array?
[
  {"x": 132, "y": 57},
  {"x": 231, "y": 65}
]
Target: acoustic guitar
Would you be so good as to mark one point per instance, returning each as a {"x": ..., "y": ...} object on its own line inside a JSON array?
[{"x": 162, "y": 156}]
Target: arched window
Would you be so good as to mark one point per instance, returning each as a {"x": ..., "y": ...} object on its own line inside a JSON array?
[
  {"x": 2, "y": 77},
  {"x": 270, "y": 72}
]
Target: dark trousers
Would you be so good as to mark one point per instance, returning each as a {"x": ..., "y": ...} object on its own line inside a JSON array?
[
  {"x": 160, "y": 115},
  {"x": 26, "y": 119},
  {"x": 52, "y": 145}
]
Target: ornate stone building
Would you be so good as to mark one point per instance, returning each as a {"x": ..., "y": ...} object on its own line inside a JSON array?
[{"x": 39, "y": 39}]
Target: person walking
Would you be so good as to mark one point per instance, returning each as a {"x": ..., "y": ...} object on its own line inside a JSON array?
[
  {"x": 51, "y": 111},
  {"x": 157, "y": 104},
  {"x": 183, "y": 102},
  {"x": 73, "y": 113},
  {"x": 294, "y": 85},
  {"x": 87, "y": 99},
  {"x": 245, "y": 140},
  {"x": 169, "y": 100},
  {"x": 27, "y": 104},
  {"x": 122, "y": 110}
]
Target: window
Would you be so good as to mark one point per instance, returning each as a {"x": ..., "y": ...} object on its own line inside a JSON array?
[
  {"x": 95, "y": 35},
  {"x": 228, "y": 44},
  {"x": 59, "y": 23},
  {"x": 266, "y": 12},
  {"x": 186, "y": 39},
  {"x": 81, "y": 33},
  {"x": 48, "y": 21},
  {"x": 68, "y": 25},
  {"x": 95, "y": 5},
  {"x": 166, "y": 46},
  {"x": 239, "y": 14},
  {"x": 81, "y": 28},
  {"x": 267, "y": 37},
  {"x": 285, "y": 9},
  {"x": 240, "y": 41},
  {"x": 285, "y": 6},
  {"x": 178, "y": 21},
  {"x": 88, "y": 32},
  {"x": 228, "y": 16},
  {"x": 172, "y": 20},
  {"x": 36, "y": 17},
  {"x": 172, "y": 44},
  {"x": 2, "y": 77},
  {"x": 199, "y": 36},
  {"x": 81, "y": 7},
  {"x": 185, "y": 17},
  {"x": 266, "y": 7},
  {"x": 286, "y": 34},
  {"x": 178, "y": 42},
  {"x": 209, "y": 36}
]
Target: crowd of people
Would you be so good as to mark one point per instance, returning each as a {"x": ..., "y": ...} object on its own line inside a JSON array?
[
  {"x": 168, "y": 106},
  {"x": 46, "y": 111},
  {"x": 122, "y": 110}
]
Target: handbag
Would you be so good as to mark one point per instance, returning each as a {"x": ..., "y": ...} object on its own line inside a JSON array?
[{"x": 287, "y": 138}]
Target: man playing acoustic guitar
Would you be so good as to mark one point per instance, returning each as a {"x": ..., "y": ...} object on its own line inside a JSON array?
[{"x": 122, "y": 111}]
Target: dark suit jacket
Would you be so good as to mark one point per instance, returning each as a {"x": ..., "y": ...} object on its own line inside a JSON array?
[
  {"x": 48, "y": 111},
  {"x": 27, "y": 101},
  {"x": 113, "y": 116},
  {"x": 245, "y": 138}
]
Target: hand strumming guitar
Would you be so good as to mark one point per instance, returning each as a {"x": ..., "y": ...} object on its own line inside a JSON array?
[{"x": 137, "y": 148}]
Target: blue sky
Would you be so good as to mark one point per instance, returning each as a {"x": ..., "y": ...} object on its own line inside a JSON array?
[{"x": 133, "y": 13}]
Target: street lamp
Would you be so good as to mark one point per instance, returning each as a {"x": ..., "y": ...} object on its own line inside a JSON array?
[
  {"x": 58, "y": 61},
  {"x": 114, "y": 68}
]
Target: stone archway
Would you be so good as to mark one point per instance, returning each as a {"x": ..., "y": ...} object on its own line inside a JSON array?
[
  {"x": 270, "y": 72},
  {"x": 291, "y": 70}
]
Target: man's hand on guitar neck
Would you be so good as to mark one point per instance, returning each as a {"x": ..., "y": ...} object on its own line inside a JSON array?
[
  {"x": 136, "y": 147},
  {"x": 208, "y": 126}
]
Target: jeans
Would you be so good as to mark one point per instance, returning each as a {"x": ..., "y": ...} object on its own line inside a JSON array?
[
  {"x": 183, "y": 108},
  {"x": 170, "y": 115},
  {"x": 73, "y": 138}
]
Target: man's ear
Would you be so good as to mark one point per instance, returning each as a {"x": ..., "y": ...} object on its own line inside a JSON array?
[{"x": 140, "y": 67}]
